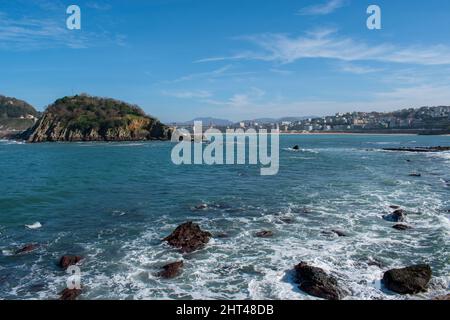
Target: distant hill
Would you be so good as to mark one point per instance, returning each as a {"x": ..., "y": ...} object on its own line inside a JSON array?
[
  {"x": 87, "y": 118},
  {"x": 278, "y": 120},
  {"x": 15, "y": 115},
  {"x": 208, "y": 121},
  {"x": 224, "y": 122}
]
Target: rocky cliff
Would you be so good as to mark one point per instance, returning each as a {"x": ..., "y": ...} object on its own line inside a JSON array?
[{"x": 86, "y": 118}]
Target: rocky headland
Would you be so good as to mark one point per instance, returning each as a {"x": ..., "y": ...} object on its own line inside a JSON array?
[{"x": 86, "y": 118}]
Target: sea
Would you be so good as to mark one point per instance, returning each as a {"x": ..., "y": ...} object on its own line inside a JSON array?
[{"x": 113, "y": 203}]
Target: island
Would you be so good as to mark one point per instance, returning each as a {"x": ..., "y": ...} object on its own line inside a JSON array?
[{"x": 88, "y": 118}]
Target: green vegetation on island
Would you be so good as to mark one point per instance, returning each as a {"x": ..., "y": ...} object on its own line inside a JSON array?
[{"x": 88, "y": 118}]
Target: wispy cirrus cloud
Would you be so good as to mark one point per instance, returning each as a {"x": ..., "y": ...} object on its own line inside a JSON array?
[
  {"x": 323, "y": 9},
  {"x": 98, "y": 6},
  {"x": 358, "y": 69},
  {"x": 327, "y": 44},
  {"x": 188, "y": 94},
  {"x": 225, "y": 71},
  {"x": 29, "y": 34},
  {"x": 25, "y": 33},
  {"x": 249, "y": 98}
]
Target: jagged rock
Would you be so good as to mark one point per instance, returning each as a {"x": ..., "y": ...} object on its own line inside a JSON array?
[
  {"x": 171, "y": 270},
  {"x": 188, "y": 237},
  {"x": 409, "y": 280},
  {"x": 27, "y": 248},
  {"x": 67, "y": 261},
  {"x": 401, "y": 227},
  {"x": 264, "y": 234},
  {"x": 69, "y": 294},
  {"x": 397, "y": 216},
  {"x": 316, "y": 282}
]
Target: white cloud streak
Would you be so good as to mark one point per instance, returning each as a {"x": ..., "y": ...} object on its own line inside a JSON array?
[
  {"x": 322, "y": 9},
  {"x": 326, "y": 44}
]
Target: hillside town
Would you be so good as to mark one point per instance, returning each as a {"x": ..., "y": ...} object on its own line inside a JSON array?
[{"x": 421, "y": 120}]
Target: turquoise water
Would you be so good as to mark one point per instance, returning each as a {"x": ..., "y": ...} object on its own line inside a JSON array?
[{"x": 112, "y": 203}]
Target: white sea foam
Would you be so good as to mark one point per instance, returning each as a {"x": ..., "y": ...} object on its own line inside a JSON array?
[{"x": 36, "y": 225}]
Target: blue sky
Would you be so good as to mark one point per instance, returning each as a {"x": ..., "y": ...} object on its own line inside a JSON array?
[{"x": 234, "y": 59}]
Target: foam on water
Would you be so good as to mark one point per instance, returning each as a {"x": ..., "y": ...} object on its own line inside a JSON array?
[{"x": 343, "y": 187}]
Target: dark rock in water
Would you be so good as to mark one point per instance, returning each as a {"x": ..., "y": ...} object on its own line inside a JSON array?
[
  {"x": 171, "y": 270},
  {"x": 415, "y": 174},
  {"x": 397, "y": 216},
  {"x": 222, "y": 235},
  {"x": 409, "y": 280},
  {"x": 202, "y": 206},
  {"x": 287, "y": 220},
  {"x": 69, "y": 294},
  {"x": 27, "y": 248},
  {"x": 339, "y": 233},
  {"x": 67, "y": 261},
  {"x": 296, "y": 147},
  {"x": 401, "y": 227},
  {"x": 443, "y": 298},
  {"x": 419, "y": 149},
  {"x": 394, "y": 207},
  {"x": 188, "y": 237},
  {"x": 264, "y": 234},
  {"x": 407, "y": 160},
  {"x": 316, "y": 282}
]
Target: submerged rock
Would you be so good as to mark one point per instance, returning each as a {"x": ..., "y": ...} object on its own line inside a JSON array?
[
  {"x": 415, "y": 174},
  {"x": 188, "y": 237},
  {"x": 27, "y": 248},
  {"x": 202, "y": 206},
  {"x": 296, "y": 147},
  {"x": 419, "y": 149},
  {"x": 69, "y": 294},
  {"x": 264, "y": 234},
  {"x": 316, "y": 282},
  {"x": 401, "y": 227},
  {"x": 397, "y": 216},
  {"x": 171, "y": 270},
  {"x": 409, "y": 280},
  {"x": 67, "y": 261},
  {"x": 222, "y": 235},
  {"x": 339, "y": 233},
  {"x": 287, "y": 220}
]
